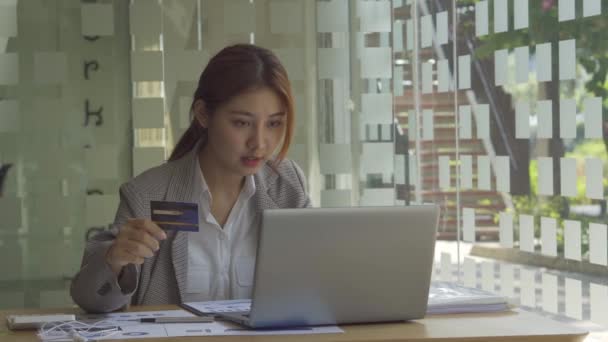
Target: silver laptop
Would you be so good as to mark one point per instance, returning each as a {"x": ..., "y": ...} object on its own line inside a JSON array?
[{"x": 321, "y": 266}]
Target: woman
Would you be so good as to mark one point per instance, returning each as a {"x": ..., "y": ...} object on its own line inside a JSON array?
[{"x": 231, "y": 161}]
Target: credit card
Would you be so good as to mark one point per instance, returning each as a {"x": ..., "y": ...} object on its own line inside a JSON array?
[{"x": 175, "y": 215}]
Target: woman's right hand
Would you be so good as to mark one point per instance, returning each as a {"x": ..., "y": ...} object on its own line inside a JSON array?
[{"x": 138, "y": 239}]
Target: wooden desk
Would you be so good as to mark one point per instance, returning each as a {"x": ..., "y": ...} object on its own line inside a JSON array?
[{"x": 506, "y": 326}]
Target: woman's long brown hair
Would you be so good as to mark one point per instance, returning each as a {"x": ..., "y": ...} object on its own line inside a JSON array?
[{"x": 234, "y": 70}]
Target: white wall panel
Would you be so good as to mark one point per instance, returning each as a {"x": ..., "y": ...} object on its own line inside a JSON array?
[
  {"x": 238, "y": 18},
  {"x": 567, "y": 59},
  {"x": 545, "y": 179},
  {"x": 335, "y": 158},
  {"x": 330, "y": 16},
  {"x": 572, "y": 240},
  {"x": 549, "y": 294},
  {"x": 521, "y": 16},
  {"x": 442, "y": 30},
  {"x": 10, "y": 119},
  {"x": 500, "y": 67},
  {"x": 543, "y": 62},
  {"x": 594, "y": 175},
  {"x": 375, "y": 16},
  {"x": 506, "y": 229},
  {"x": 592, "y": 7},
  {"x": 528, "y": 287},
  {"x": 466, "y": 172},
  {"x": 566, "y": 10},
  {"x": 148, "y": 112},
  {"x": 544, "y": 119},
  {"x": 464, "y": 72},
  {"x": 465, "y": 122},
  {"x": 97, "y": 19},
  {"x": 286, "y": 17},
  {"x": 8, "y": 20},
  {"x": 376, "y": 63},
  {"x": 567, "y": 118},
  {"x": 468, "y": 224},
  {"x": 470, "y": 272},
  {"x": 482, "y": 120},
  {"x": 50, "y": 67},
  {"x": 573, "y": 298},
  {"x": 548, "y": 236},
  {"x": 9, "y": 68},
  {"x": 526, "y": 233},
  {"x": 377, "y": 108},
  {"x": 598, "y": 251},
  {"x": 593, "y": 118},
  {"x": 501, "y": 16},
  {"x": 481, "y": 18},
  {"x": 483, "y": 173}
]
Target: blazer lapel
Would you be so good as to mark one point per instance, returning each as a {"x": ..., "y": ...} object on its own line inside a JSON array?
[
  {"x": 184, "y": 186},
  {"x": 265, "y": 180}
]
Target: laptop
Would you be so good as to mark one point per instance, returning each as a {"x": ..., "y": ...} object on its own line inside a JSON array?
[{"x": 326, "y": 266}]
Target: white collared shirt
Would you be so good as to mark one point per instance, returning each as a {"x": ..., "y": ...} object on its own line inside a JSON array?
[{"x": 221, "y": 260}]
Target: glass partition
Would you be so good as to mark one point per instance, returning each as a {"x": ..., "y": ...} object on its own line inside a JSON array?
[
  {"x": 493, "y": 109},
  {"x": 94, "y": 92},
  {"x": 65, "y": 140},
  {"x": 530, "y": 106}
]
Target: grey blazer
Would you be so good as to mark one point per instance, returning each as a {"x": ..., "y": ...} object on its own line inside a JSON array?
[{"x": 161, "y": 279}]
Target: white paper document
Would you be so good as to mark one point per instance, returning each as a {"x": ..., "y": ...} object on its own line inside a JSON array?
[
  {"x": 130, "y": 326},
  {"x": 220, "y": 306},
  {"x": 448, "y": 297},
  {"x": 244, "y": 305},
  {"x": 444, "y": 298},
  {"x": 222, "y": 328},
  {"x": 132, "y": 318}
]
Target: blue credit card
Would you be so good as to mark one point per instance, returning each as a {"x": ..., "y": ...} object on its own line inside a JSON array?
[{"x": 175, "y": 215}]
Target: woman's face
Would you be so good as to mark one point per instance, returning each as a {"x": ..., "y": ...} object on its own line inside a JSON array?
[{"x": 244, "y": 132}]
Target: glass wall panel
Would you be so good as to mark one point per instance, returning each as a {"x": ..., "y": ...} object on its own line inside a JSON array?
[
  {"x": 493, "y": 109},
  {"x": 93, "y": 93},
  {"x": 64, "y": 139},
  {"x": 531, "y": 98}
]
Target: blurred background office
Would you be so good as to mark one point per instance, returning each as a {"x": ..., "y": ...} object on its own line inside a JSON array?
[{"x": 494, "y": 109}]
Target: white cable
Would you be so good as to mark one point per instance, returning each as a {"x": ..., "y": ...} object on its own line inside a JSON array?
[{"x": 77, "y": 331}]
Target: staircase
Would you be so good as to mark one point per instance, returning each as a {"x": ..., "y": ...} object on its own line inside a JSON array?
[{"x": 485, "y": 203}]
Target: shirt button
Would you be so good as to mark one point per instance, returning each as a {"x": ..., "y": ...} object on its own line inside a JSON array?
[{"x": 222, "y": 237}]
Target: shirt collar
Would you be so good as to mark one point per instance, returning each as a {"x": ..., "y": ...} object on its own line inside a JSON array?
[
  {"x": 204, "y": 186},
  {"x": 249, "y": 186}
]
